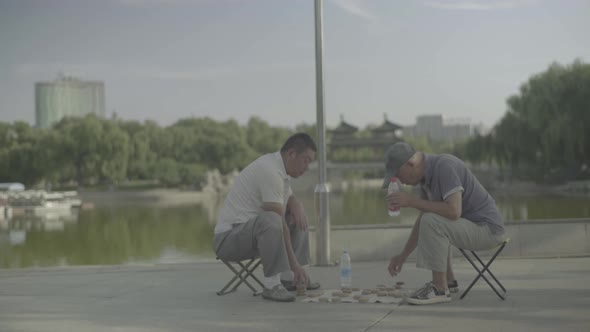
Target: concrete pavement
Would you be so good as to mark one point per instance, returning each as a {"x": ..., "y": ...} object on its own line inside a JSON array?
[{"x": 543, "y": 295}]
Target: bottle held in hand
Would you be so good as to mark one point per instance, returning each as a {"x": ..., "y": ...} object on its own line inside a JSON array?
[{"x": 393, "y": 187}]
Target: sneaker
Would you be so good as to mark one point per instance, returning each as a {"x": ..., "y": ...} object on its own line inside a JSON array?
[
  {"x": 278, "y": 293},
  {"x": 290, "y": 286},
  {"x": 429, "y": 294},
  {"x": 453, "y": 287}
]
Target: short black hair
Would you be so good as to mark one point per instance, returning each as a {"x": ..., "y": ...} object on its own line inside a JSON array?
[{"x": 299, "y": 142}]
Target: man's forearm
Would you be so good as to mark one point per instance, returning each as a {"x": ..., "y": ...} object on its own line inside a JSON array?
[
  {"x": 287, "y": 239},
  {"x": 413, "y": 240},
  {"x": 441, "y": 208},
  {"x": 278, "y": 209},
  {"x": 292, "y": 202}
]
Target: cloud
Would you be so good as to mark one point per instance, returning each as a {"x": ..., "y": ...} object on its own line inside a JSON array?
[
  {"x": 140, "y": 3},
  {"x": 53, "y": 70},
  {"x": 355, "y": 7},
  {"x": 150, "y": 2},
  {"x": 184, "y": 75},
  {"x": 100, "y": 70},
  {"x": 478, "y": 5},
  {"x": 221, "y": 72},
  {"x": 149, "y": 72}
]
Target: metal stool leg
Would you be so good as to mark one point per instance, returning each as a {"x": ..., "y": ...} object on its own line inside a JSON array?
[
  {"x": 246, "y": 271},
  {"x": 489, "y": 271},
  {"x": 486, "y": 268}
]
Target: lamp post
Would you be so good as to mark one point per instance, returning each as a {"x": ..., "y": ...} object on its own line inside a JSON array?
[{"x": 322, "y": 189}]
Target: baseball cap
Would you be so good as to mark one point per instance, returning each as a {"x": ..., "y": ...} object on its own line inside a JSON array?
[{"x": 396, "y": 155}]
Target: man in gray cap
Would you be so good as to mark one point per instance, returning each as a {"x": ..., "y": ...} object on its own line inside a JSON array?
[{"x": 455, "y": 210}]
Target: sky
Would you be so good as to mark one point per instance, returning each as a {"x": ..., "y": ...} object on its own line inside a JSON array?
[{"x": 165, "y": 60}]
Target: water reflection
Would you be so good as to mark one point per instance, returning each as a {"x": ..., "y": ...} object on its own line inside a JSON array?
[
  {"x": 123, "y": 234},
  {"x": 534, "y": 208},
  {"x": 367, "y": 206},
  {"x": 108, "y": 236}
]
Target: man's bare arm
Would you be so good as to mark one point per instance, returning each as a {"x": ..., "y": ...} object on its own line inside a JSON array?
[
  {"x": 450, "y": 208},
  {"x": 412, "y": 242},
  {"x": 298, "y": 216},
  {"x": 278, "y": 209},
  {"x": 299, "y": 273}
]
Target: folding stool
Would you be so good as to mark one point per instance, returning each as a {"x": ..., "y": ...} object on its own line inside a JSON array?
[
  {"x": 247, "y": 268},
  {"x": 486, "y": 268}
]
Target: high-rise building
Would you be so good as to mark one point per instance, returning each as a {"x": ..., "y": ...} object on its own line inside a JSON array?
[
  {"x": 430, "y": 126},
  {"x": 67, "y": 97}
]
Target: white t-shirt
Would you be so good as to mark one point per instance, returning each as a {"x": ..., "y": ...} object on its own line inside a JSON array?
[{"x": 264, "y": 180}]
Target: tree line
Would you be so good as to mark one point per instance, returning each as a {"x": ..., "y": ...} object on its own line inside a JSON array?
[
  {"x": 544, "y": 136},
  {"x": 90, "y": 150},
  {"x": 545, "y": 133}
]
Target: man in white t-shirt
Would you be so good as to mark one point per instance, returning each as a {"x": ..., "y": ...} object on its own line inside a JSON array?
[{"x": 261, "y": 217}]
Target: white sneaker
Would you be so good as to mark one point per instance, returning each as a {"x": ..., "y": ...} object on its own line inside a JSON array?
[
  {"x": 429, "y": 294},
  {"x": 278, "y": 293}
]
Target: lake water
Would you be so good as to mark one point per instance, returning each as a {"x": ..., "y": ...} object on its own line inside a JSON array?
[{"x": 138, "y": 234}]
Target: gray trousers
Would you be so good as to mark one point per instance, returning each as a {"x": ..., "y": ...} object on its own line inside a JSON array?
[
  {"x": 263, "y": 236},
  {"x": 437, "y": 234}
]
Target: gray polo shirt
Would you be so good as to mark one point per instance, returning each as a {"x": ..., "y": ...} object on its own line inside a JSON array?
[{"x": 445, "y": 175}]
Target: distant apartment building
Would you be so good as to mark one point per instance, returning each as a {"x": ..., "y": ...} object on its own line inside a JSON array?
[
  {"x": 67, "y": 97},
  {"x": 435, "y": 128}
]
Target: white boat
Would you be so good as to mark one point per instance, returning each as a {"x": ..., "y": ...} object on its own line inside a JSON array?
[
  {"x": 40, "y": 203},
  {"x": 5, "y": 212},
  {"x": 52, "y": 207}
]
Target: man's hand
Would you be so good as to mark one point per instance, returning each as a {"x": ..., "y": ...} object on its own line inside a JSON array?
[
  {"x": 395, "y": 264},
  {"x": 300, "y": 276},
  {"x": 297, "y": 216},
  {"x": 400, "y": 199}
]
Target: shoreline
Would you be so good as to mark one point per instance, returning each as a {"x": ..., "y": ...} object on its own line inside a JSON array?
[
  {"x": 167, "y": 196},
  {"x": 159, "y": 197},
  {"x": 504, "y": 189}
]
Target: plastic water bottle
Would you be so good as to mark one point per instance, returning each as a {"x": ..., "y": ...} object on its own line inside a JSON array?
[
  {"x": 393, "y": 187},
  {"x": 345, "y": 271}
]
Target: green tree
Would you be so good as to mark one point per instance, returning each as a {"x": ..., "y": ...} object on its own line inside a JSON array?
[
  {"x": 545, "y": 133},
  {"x": 20, "y": 151},
  {"x": 263, "y": 138},
  {"x": 166, "y": 171},
  {"x": 114, "y": 152},
  {"x": 95, "y": 149},
  {"x": 216, "y": 145},
  {"x": 141, "y": 157}
]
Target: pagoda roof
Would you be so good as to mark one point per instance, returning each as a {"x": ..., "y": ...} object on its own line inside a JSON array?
[
  {"x": 387, "y": 126},
  {"x": 344, "y": 127}
]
